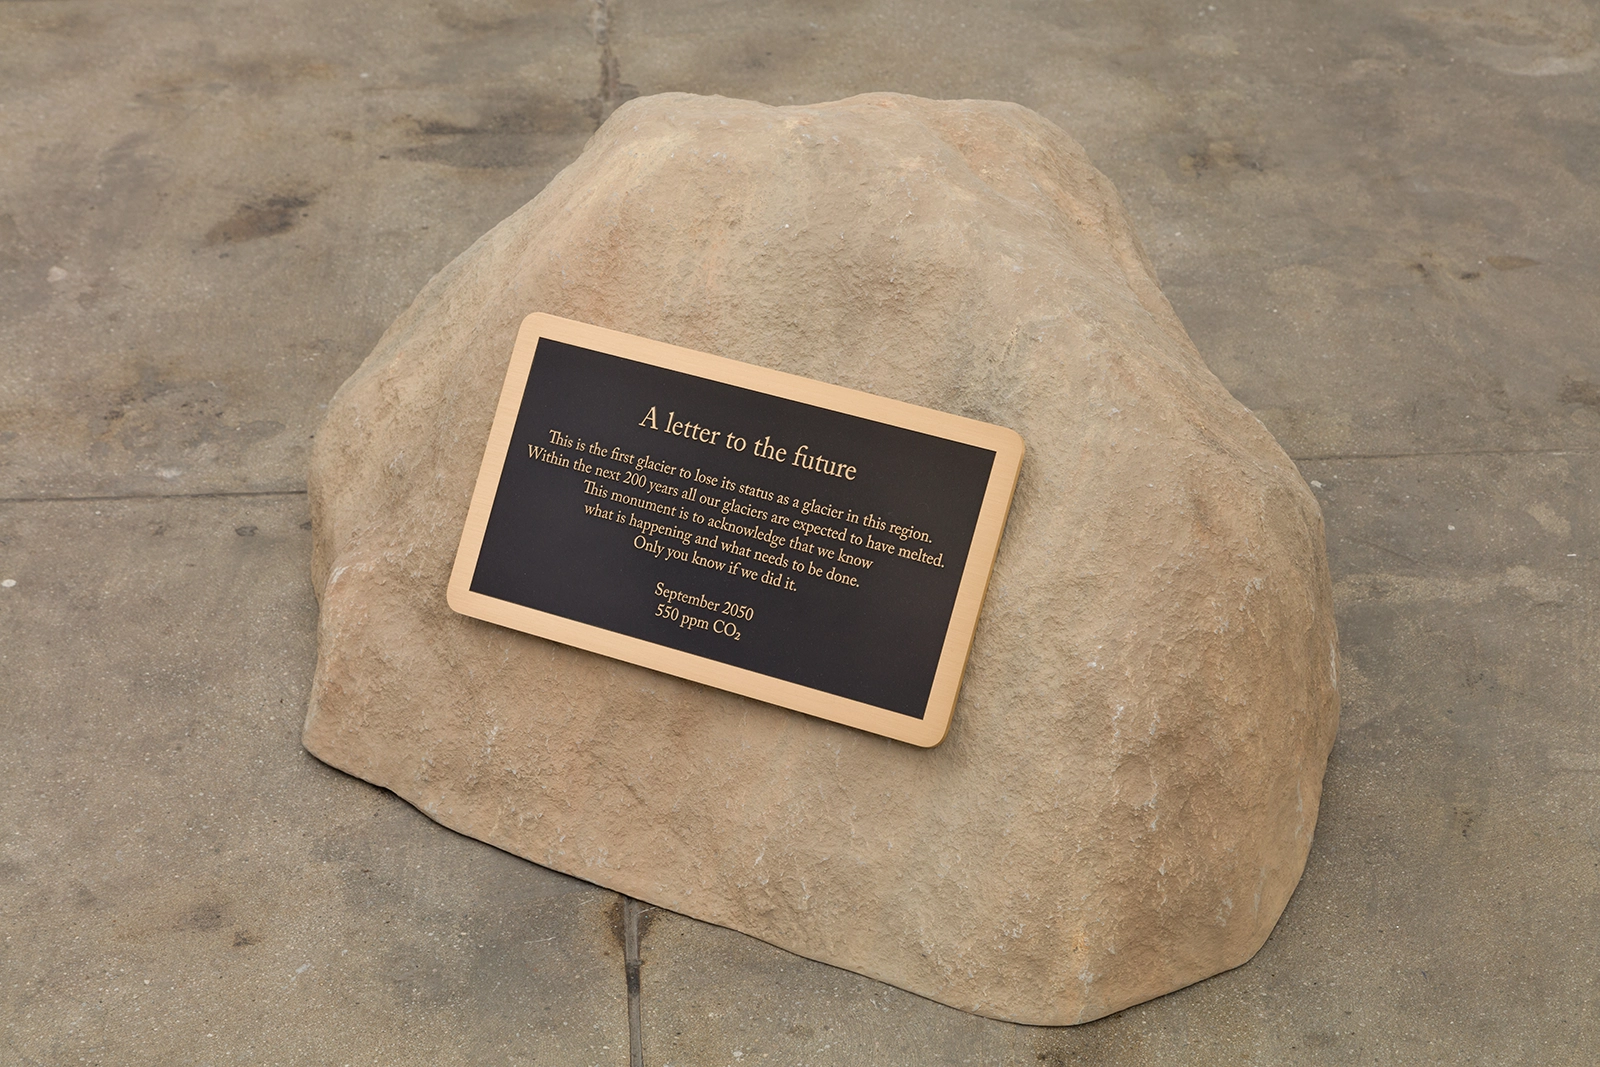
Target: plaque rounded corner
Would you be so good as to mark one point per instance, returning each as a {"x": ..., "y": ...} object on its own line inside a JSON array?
[{"x": 934, "y": 735}]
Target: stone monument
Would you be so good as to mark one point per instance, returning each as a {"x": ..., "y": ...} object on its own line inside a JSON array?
[{"x": 1128, "y": 790}]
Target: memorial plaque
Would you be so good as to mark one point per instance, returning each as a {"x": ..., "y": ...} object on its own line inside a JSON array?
[{"x": 808, "y": 545}]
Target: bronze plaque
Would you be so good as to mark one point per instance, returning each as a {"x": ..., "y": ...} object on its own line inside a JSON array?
[{"x": 801, "y": 543}]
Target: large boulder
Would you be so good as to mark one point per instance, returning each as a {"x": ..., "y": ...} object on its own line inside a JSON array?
[{"x": 1127, "y": 794}]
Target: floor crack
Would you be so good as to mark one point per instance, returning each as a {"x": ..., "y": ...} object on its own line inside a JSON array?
[
  {"x": 1447, "y": 452},
  {"x": 614, "y": 92},
  {"x": 630, "y": 957},
  {"x": 113, "y": 497}
]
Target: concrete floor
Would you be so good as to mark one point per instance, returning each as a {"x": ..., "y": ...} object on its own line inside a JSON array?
[{"x": 1380, "y": 223}]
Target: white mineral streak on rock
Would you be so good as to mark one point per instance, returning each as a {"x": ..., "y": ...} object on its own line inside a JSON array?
[{"x": 1086, "y": 838}]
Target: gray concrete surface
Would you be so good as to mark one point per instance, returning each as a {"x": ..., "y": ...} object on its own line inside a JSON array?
[{"x": 1380, "y": 223}]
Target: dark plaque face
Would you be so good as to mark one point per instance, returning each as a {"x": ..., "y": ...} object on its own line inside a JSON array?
[{"x": 804, "y": 544}]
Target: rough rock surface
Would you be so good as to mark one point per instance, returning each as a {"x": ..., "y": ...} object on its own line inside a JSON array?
[{"x": 1128, "y": 791}]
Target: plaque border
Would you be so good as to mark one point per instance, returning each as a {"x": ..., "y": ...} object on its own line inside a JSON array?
[{"x": 925, "y": 732}]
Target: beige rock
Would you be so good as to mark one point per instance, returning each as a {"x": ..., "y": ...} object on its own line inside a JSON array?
[{"x": 1127, "y": 795}]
